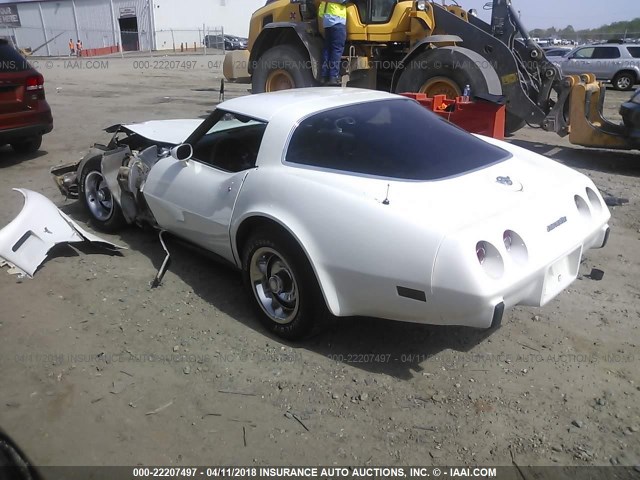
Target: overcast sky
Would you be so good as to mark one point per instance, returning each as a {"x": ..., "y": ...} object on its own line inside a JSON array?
[{"x": 560, "y": 13}]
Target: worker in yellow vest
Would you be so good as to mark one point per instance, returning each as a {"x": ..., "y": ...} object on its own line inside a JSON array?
[{"x": 334, "y": 20}]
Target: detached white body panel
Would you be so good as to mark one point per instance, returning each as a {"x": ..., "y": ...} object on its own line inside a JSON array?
[{"x": 40, "y": 225}]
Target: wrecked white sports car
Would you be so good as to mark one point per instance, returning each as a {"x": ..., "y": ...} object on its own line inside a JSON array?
[{"x": 351, "y": 201}]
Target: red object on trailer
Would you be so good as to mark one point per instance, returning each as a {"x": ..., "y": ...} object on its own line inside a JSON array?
[{"x": 481, "y": 117}]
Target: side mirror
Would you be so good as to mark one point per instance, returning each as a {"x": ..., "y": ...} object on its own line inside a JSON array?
[{"x": 182, "y": 152}]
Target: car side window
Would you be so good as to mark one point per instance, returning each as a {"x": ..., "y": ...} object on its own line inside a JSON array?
[
  {"x": 584, "y": 53},
  {"x": 232, "y": 144},
  {"x": 603, "y": 53},
  {"x": 634, "y": 51}
]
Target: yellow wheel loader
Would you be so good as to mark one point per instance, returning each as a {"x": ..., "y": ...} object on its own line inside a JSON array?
[{"x": 431, "y": 48}]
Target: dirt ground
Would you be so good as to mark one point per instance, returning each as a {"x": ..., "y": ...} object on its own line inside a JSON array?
[{"x": 98, "y": 369}]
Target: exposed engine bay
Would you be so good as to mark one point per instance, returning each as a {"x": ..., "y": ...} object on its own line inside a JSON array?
[{"x": 125, "y": 163}]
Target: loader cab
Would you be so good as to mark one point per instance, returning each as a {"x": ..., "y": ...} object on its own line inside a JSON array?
[
  {"x": 374, "y": 11},
  {"x": 378, "y": 21}
]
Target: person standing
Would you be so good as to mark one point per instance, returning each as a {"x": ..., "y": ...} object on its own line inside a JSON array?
[
  {"x": 334, "y": 21},
  {"x": 79, "y": 48},
  {"x": 72, "y": 48}
]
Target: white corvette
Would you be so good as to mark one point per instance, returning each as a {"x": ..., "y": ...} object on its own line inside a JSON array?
[{"x": 351, "y": 201}]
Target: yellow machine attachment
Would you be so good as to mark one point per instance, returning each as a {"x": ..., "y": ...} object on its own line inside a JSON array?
[{"x": 587, "y": 126}]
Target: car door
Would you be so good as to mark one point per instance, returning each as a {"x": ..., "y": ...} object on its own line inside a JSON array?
[
  {"x": 578, "y": 62},
  {"x": 607, "y": 61},
  {"x": 194, "y": 199}
]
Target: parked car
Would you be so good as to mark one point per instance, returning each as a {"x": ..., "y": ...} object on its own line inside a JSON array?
[
  {"x": 25, "y": 114},
  {"x": 228, "y": 41},
  {"x": 617, "y": 63},
  {"x": 355, "y": 202},
  {"x": 556, "y": 51}
]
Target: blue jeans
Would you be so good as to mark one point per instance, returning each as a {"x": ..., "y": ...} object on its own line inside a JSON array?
[{"x": 334, "y": 40}]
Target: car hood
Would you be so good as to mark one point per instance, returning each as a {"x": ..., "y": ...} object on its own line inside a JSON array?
[{"x": 162, "y": 131}]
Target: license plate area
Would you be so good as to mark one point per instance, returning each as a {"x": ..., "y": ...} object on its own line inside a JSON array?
[{"x": 560, "y": 274}]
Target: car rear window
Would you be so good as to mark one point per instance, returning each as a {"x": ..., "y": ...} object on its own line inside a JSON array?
[
  {"x": 634, "y": 51},
  {"x": 11, "y": 60},
  {"x": 390, "y": 138}
]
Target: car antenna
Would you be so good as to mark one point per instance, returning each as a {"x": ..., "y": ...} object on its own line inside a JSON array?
[{"x": 386, "y": 200}]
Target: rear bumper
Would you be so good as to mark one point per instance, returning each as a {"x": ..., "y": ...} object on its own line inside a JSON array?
[
  {"x": 30, "y": 123},
  {"x": 538, "y": 284},
  {"x": 13, "y": 134}
]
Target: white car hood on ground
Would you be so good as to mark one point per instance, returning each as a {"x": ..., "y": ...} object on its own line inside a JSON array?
[
  {"x": 165, "y": 131},
  {"x": 40, "y": 225}
]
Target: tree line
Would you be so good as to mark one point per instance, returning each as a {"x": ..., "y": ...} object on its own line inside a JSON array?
[{"x": 615, "y": 30}]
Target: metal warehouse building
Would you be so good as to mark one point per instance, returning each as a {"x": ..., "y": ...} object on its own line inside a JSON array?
[{"x": 111, "y": 25}]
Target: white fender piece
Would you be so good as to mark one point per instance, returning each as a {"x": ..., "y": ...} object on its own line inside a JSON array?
[{"x": 40, "y": 225}]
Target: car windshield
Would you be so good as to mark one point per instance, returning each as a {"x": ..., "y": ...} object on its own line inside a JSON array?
[{"x": 392, "y": 138}]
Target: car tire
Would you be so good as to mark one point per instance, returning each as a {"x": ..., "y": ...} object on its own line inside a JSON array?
[
  {"x": 282, "y": 284},
  {"x": 106, "y": 214},
  {"x": 28, "y": 145},
  {"x": 624, "y": 81},
  {"x": 281, "y": 68}
]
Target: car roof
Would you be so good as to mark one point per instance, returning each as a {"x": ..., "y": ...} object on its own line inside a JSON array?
[{"x": 300, "y": 102}]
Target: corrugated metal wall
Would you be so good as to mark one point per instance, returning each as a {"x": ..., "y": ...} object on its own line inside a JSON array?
[
  {"x": 95, "y": 25},
  {"x": 145, "y": 30},
  {"x": 96, "y": 22},
  {"x": 60, "y": 26}
]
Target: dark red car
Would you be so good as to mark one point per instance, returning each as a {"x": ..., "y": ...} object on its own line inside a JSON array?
[{"x": 25, "y": 115}]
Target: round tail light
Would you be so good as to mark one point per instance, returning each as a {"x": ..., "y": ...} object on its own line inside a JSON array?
[
  {"x": 490, "y": 259},
  {"x": 507, "y": 238},
  {"x": 481, "y": 252}
]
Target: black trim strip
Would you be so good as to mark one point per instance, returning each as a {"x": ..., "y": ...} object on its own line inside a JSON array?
[
  {"x": 497, "y": 315},
  {"x": 412, "y": 293},
  {"x": 21, "y": 241}
]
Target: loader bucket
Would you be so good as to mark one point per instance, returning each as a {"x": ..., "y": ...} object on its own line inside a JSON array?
[
  {"x": 481, "y": 117},
  {"x": 587, "y": 125}
]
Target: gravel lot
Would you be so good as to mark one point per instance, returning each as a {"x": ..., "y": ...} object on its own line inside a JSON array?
[{"x": 98, "y": 369}]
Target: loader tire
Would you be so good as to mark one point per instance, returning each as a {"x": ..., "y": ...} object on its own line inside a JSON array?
[
  {"x": 442, "y": 71},
  {"x": 447, "y": 71},
  {"x": 280, "y": 68},
  {"x": 512, "y": 123}
]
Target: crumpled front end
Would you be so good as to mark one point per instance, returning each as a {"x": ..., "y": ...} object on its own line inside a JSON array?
[{"x": 40, "y": 225}]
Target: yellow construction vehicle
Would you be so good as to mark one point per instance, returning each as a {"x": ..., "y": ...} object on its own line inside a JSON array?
[{"x": 431, "y": 48}]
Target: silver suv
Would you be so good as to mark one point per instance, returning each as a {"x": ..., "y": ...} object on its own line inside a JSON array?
[{"x": 617, "y": 63}]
